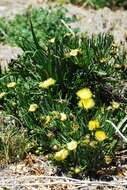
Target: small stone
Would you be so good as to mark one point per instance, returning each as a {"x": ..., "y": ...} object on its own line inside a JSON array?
[{"x": 20, "y": 167}]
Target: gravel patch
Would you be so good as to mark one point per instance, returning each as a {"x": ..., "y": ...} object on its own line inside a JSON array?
[
  {"x": 101, "y": 21},
  {"x": 11, "y": 7},
  {"x": 32, "y": 165},
  {"x": 6, "y": 54}
]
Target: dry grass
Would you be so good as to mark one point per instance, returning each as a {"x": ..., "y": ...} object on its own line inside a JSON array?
[{"x": 58, "y": 183}]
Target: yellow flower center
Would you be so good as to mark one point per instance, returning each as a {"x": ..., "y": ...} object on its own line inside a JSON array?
[
  {"x": 86, "y": 103},
  {"x": 100, "y": 135}
]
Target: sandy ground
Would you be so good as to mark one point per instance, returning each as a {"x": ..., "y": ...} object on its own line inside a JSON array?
[
  {"x": 11, "y": 7},
  {"x": 101, "y": 21}
]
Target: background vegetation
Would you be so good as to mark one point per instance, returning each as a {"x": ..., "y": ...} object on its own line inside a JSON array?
[{"x": 98, "y": 3}]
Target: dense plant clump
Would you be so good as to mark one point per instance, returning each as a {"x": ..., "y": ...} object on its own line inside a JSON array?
[{"x": 62, "y": 90}]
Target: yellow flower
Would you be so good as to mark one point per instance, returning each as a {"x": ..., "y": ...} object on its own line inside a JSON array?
[
  {"x": 72, "y": 145},
  {"x": 84, "y": 93},
  {"x": 47, "y": 83},
  {"x": 61, "y": 155},
  {"x": 33, "y": 107},
  {"x": 100, "y": 135},
  {"x": 77, "y": 170},
  {"x": 11, "y": 85},
  {"x": 93, "y": 124},
  {"x": 115, "y": 105},
  {"x": 86, "y": 103},
  {"x": 2, "y": 94},
  {"x": 52, "y": 40},
  {"x": 73, "y": 52},
  {"x": 63, "y": 117}
]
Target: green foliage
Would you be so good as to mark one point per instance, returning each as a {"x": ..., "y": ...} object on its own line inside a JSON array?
[
  {"x": 101, "y": 3},
  {"x": 49, "y": 110},
  {"x": 45, "y": 23},
  {"x": 2, "y": 29}
]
